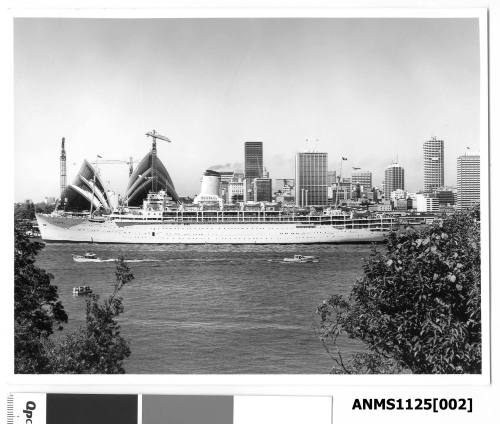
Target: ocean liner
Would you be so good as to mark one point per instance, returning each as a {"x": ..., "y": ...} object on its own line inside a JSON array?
[{"x": 164, "y": 221}]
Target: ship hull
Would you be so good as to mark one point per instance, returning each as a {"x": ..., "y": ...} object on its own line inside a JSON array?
[{"x": 64, "y": 229}]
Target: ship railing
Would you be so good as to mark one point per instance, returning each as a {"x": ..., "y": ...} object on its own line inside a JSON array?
[
  {"x": 336, "y": 221},
  {"x": 372, "y": 223}
]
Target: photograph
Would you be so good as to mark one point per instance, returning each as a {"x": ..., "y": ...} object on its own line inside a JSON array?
[{"x": 250, "y": 195}]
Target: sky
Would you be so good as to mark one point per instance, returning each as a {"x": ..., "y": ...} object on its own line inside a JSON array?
[{"x": 372, "y": 90}]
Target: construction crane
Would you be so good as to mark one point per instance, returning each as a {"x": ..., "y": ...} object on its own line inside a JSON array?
[{"x": 154, "y": 135}]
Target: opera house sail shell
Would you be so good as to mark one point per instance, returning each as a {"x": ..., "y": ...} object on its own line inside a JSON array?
[
  {"x": 87, "y": 187},
  {"x": 149, "y": 175}
]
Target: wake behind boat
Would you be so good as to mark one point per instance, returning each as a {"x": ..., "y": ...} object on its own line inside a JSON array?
[{"x": 92, "y": 257}]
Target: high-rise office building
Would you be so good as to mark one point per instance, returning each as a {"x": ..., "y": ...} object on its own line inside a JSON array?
[
  {"x": 254, "y": 167},
  {"x": 262, "y": 190},
  {"x": 311, "y": 186},
  {"x": 433, "y": 164},
  {"x": 394, "y": 179},
  {"x": 363, "y": 178},
  {"x": 468, "y": 181}
]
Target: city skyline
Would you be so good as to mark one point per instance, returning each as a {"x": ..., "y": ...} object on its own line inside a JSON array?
[
  {"x": 215, "y": 84},
  {"x": 316, "y": 185},
  {"x": 355, "y": 176}
]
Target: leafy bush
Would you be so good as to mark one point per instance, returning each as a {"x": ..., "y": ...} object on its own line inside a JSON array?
[
  {"x": 98, "y": 346},
  {"x": 24, "y": 211},
  {"x": 37, "y": 309},
  {"x": 418, "y": 306}
]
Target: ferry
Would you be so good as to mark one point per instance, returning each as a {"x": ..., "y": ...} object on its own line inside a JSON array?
[
  {"x": 88, "y": 257},
  {"x": 301, "y": 259},
  {"x": 162, "y": 221}
]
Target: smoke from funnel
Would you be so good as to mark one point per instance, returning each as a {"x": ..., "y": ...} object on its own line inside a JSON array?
[{"x": 237, "y": 166}]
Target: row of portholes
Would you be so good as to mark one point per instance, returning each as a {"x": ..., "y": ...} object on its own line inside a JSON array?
[{"x": 211, "y": 233}]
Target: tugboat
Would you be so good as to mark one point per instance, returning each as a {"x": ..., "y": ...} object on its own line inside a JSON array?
[
  {"x": 88, "y": 257},
  {"x": 81, "y": 290},
  {"x": 302, "y": 259}
]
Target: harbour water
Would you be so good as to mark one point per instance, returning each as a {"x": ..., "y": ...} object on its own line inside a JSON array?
[{"x": 214, "y": 308}]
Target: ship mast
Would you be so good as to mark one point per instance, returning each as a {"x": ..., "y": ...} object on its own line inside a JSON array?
[{"x": 62, "y": 171}]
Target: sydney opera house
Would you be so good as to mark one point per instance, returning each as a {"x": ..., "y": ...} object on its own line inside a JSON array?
[
  {"x": 87, "y": 186},
  {"x": 149, "y": 175}
]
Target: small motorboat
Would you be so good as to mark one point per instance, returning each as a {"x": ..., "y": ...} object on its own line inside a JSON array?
[
  {"x": 81, "y": 290},
  {"x": 302, "y": 259},
  {"x": 88, "y": 257}
]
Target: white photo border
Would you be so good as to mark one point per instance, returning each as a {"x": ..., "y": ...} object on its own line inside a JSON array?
[{"x": 256, "y": 383}]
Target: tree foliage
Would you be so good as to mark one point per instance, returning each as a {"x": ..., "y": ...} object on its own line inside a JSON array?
[
  {"x": 418, "y": 306},
  {"x": 98, "y": 346},
  {"x": 37, "y": 309},
  {"x": 24, "y": 211}
]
